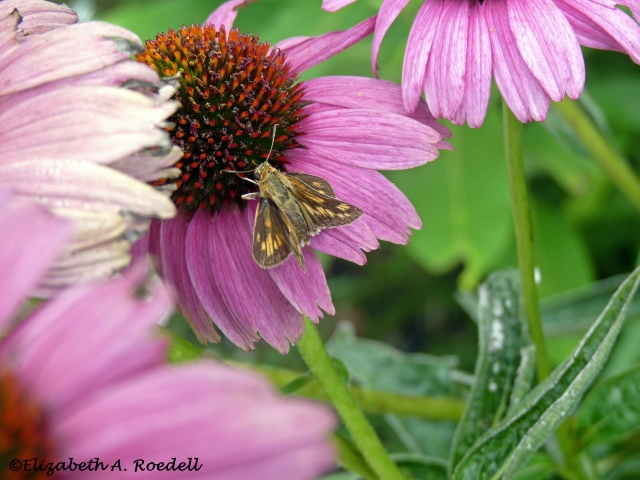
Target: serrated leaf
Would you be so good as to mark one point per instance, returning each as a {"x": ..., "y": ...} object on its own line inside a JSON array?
[
  {"x": 510, "y": 444},
  {"x": 612, "y": 409},
  {"x": 502, "y": 334}
]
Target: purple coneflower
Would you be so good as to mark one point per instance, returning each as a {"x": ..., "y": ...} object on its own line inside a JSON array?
[
  {"x": 531, "y": 47},
  {"x": 82, "y": 131},
  {"x": 233, "y": 90},
  {"x": 83, "y": 380}
]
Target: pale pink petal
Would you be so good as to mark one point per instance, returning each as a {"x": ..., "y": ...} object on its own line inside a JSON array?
[
  {"x": 87, "y": 47},
  {"x": 151, "y": 164},
  {"x": 335, "y": 5},
  {"x": 303, "y": 53},
  {"x": 98, "y": 124},
  {"x": 83, "y": 186},
  {"x": 31, "y": 240},
  {"x": 548, "y": 46},
  {"x": 72, "y": 366},
  {"x": 231, "y": 420},
  {"x": 387, "y": 212},
  {"x": 417, "y": 53},
  {"x": 38, "y": 16},
  {"x": 600, "y": 26},
  {"x": 522, "y": 92},
  {"x": 307, "y": 291},
  {"x": 444, "y": 80},
  {"x": 361, "y": 92},
  {"x": 478, "y": 71},
  {"x": 226, "y": 13},
  {"x": 389, "y": 11},
  {"x": 167, "y": 246},
  {"x": 369, "y": 139}
]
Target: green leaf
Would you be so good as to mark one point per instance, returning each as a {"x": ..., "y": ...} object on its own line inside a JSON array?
[
  {"x": 180, "y": 349},
  {"x": 421, "y": 467},
  {"x": 524, "y": 378},
  {"x": 414, "y": 374},
  {"x": 295, "y": 385},
  {"x": 511, "y": 443},
  {"x": 502, "y": 334},
  {"x": 612, "y": 409},
  {"x": 408, "y": 374}
]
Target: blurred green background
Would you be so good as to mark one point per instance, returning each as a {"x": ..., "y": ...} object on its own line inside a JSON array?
[{"x": 411, "y": 296}]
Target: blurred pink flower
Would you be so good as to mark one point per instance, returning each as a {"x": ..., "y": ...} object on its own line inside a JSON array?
[
  {"x": 233, "y": 90},
  {"x": 82, "y": 377},
  {"x": 531, "y": 48},
  {"x": 81, "y": 132}
]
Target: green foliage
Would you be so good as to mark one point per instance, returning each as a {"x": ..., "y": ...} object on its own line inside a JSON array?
[
  {"x": 503, "y": 335},
  {"x": 507, "y": 446}
]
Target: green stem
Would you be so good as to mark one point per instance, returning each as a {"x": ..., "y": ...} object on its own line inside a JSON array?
[
  {"x": 364, "y": 436},
  {"x": 524, "y": 236},
  {"x": 611, "y": 163},
  {"x": 524, "y": 240}
]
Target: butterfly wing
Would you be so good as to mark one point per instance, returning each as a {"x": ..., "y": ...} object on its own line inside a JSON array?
[
  {"x": 319, "y": 184},
  {"x": 321, "y": 211},
  {"x": 274, "y": 239}
]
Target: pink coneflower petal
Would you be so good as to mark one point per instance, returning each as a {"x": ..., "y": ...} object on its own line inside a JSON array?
[
  {"x": 335, "y": 5},
  {"x": 444, "y": 81},
  {"x": 603, "y": 26},
  {"x": 26, "y": 253},
  {"x": 242, "y": 289},
  {"x": 306, "y": 52},
  {"x": 167, "y": 241},
  {"x": 83, "y": 186},
  {"x": 39, "y": 17},
  {"x": 477, "y": 71},
  {"x": 90, "y": 47},
  {"x": 370, "y": 140},
  {"x": 347, "y": 243},
  {"x": 73, "y": 368},
  {"x": 68, "y": 130},
  {"x": 226, "y": 13},
  {"x": 307, "y": 291},
  {"x": 277, "y": 448},
  {"x": 522, "y": 92},
  {"x": 389, "y": 11},
  {"x": 548, "y": 46},
  {"x": 419, "y": 44},
  {"x": 360, "y": 92}
]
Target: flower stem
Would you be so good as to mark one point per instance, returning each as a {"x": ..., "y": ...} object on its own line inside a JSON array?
[
  {"x": 524, "y": 236},
  {"x": 315, "y": 355},
  {"x": 611, "y": 163}
]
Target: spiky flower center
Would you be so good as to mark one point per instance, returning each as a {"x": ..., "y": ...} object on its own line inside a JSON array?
[
  {"x": 233, "y": 91},
  {"x": 23, "y": 429}
]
